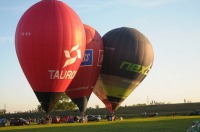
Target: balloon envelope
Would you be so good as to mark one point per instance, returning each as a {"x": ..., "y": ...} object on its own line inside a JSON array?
[
  {"x": 100, "y": 93},
  {"x": 128, "y": 57},
  {"x": 50, "y": 44},
  {"x": 83, "y": 84}
]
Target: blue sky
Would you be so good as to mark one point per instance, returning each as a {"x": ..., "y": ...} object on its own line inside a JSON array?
[{"x": 172, "y": 26}]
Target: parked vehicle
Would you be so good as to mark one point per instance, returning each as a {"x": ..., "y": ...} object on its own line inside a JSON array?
[
  {"x": 93, "y": 117},
  {"x": 18, "y": 122},
  {"x": 64, "y": 119},
  {"x": 70, "y": 119},
  {"x": 55, "y": 119},
  {"x": 98, "y": 117},
  {"x": 3, "y": 122}
]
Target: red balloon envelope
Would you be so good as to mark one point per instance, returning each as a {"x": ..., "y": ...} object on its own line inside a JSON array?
[
  {"x": 101, "y": 94},
  {"x": 83, "y": 84},
  {"x": 50, "y": 44}
]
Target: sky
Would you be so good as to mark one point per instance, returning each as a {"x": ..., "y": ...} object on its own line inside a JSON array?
[{"x": 172, "y": 27}]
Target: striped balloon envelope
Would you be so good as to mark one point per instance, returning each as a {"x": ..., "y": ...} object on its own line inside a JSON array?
[
  {"x": 50, "y": 45},
  {"x": 82, "y": 85},
  {"x": 128, "y": 58}
]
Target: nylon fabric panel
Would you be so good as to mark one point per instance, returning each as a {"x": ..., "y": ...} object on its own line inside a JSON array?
[
  {"x": 115, "y": 102},
  {"x": 43, "y": 34},
  {"x": 48, "y": 99},
  {"x": 48, "y": 35},
  {"x": 81, "y": 103},
  {"x": 128, "y": 57},
  {"x": 117, "y": 86},
  {"x": 99, "y": 91},
  {"x": 87, "y": 75},
  {"x": 131, "y": 45},
  {"x": 26, "y": 43}
]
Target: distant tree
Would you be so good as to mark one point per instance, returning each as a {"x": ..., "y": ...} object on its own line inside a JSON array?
[
  {"x": 185, "y": 101},
  {"x": 141, "y": 104},
  {"x": 3, "y": 111},
  {"x": 39, "y": 108},
  {"x": 90, "y": 108},
  {"x": 97, "y": 106},
  {"x": 65, "y": 103}
]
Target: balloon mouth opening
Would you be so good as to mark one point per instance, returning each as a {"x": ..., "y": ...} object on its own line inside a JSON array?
[{"x": 48, "y": 99}]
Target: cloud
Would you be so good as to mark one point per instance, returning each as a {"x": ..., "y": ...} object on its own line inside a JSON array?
[
  {"x": 137, "y": 3},
  {"x": 108, "y": 3},
  {"x": 147, "y": 3},
  {"x": 6, "y": 40}
]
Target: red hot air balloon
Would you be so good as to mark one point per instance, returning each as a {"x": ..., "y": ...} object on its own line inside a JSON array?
[
  {"x": 128, "y": 57},
  {"x": 83, "y": 84},
  {"x": 50, "y": 45}
]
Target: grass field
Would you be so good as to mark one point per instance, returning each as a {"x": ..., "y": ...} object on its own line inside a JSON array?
[{"x": 154, "y": 124}]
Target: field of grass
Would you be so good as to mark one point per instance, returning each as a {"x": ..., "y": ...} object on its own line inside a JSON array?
[{"x": 154, "y": 124}]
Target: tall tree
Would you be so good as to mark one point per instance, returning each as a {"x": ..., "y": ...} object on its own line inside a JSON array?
[{"x": 63, "y": 104}]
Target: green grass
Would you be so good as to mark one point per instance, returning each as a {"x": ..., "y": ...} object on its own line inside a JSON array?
[{"x": 155, "y": 124}]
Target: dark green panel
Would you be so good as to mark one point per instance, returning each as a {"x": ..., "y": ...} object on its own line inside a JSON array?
[
  {"x": 48, "y": 99},
  {"x": 81, "y": 103},
  {"x": 118, "y": 86}
]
